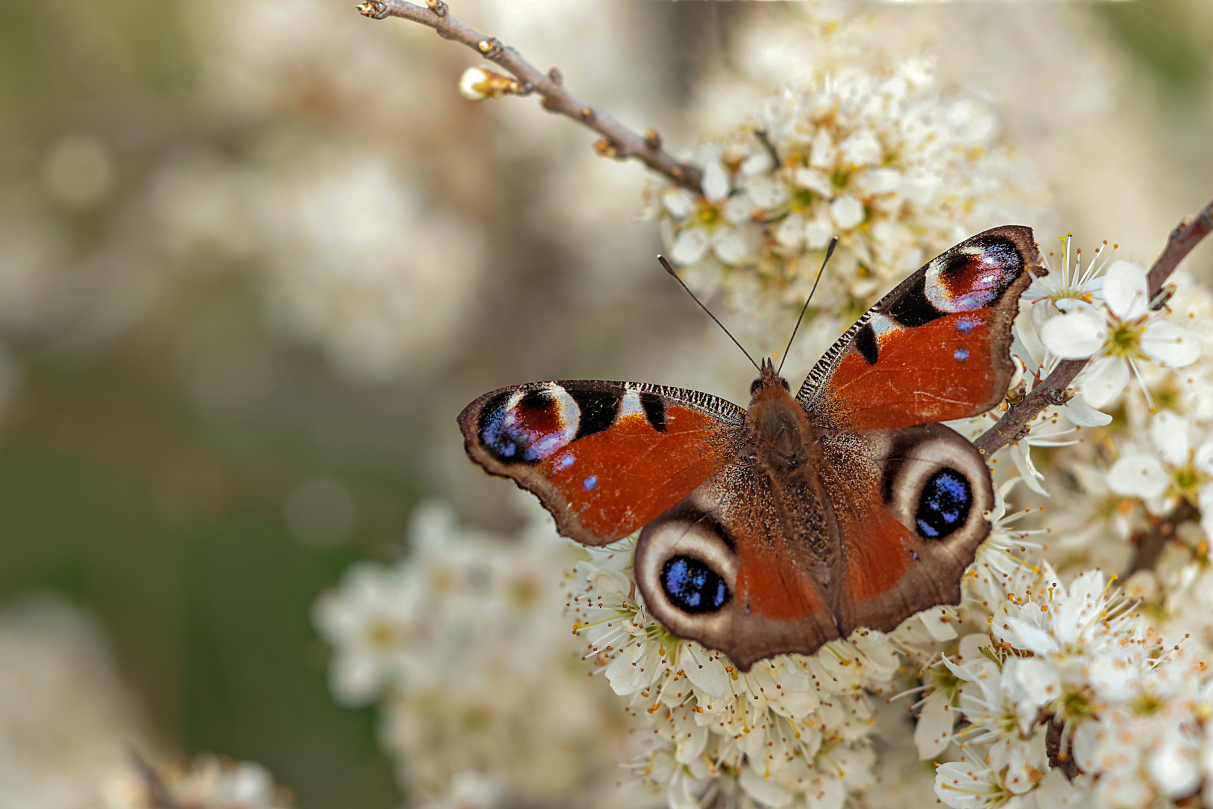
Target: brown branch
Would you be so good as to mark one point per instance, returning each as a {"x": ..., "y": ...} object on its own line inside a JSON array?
[
  {"x": 1148, "y": 545},
  {"x": 1052, "y": 391},
  {"x": 618, "y": 141}
]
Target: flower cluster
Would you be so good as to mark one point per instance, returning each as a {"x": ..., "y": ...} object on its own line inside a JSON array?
[
  {"x": 893, "y": 169},
  {"x": 1072, "y": 695},
  {"x": 792, "y": 729},
  {"x": 463, "y": 645}
]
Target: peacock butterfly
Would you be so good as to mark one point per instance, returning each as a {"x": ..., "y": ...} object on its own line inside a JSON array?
[{"x": 781, "y": 527}]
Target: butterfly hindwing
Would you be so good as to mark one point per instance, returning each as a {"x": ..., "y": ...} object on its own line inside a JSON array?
[
  {"x": 716, "y": 568},
  {"x": 604, "y": 458},
  {"x": 937, "y": 347},
  {"x": 910, "y": 509}
]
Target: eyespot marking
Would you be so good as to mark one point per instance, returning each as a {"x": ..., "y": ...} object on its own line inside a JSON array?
[
  {"x": 961, "y": 354},
  {"x": 527, "y": 427},
  {"x": 944, "y": 504},
  {"x": 975, "y": 277},
  {"x": 965, "y": 325},
  {"x": 590, "y": 482},
  {"x": 564, "y": 461},
  {"x": 692, "y": 586}
]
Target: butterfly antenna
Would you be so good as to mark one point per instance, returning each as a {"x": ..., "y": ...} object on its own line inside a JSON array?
[
  {"x": 670, "y": 270},
  {"x": 805, "y": 308}
]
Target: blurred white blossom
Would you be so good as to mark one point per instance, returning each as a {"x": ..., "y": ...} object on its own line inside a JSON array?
[
  {"x": 66, "y": 716},
  {"x": 463, "y": 645},
  {"x": 205, "y": 782},
  {"x": 892, "y": 167}
]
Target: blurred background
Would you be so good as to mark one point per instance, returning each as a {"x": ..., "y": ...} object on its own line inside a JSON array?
[{"x": 255, "y": 257}]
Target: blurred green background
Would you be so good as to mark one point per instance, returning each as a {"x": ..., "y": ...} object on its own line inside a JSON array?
[{"x": 192, "y": 454}]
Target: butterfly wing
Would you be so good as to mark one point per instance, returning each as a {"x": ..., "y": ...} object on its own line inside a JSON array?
[
  {"x": 935, "y": 348},
  {"x": 909, "y": 511},
  {"x": 604, "y": 458},
  {"x": 718, "y": 568}
]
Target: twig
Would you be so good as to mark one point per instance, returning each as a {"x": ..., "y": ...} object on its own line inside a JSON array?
[
  {"x": 158, "y": 795},
  {"x": 617, "y": 140},
  {"x": 1052, "y": 391},
  {"x": 1148, "y": 546}
]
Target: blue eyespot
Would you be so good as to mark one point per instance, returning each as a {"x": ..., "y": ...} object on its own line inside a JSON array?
[
  {"x": 943, "y": 505},
  {"x": 961, "y": 354},
  {"x": 590, "y": 482},
  {"x": 692, "y": 586}
]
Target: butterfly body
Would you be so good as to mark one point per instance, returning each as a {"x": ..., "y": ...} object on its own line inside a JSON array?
[{"x": 777, "y": 528}]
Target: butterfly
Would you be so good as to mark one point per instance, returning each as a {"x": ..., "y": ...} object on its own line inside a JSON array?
[{"x": 776, "y": 528}]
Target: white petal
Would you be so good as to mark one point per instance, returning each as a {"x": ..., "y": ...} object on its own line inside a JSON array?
[
  {"x": 879, "y": 181},
  {"x": 1103, "y": 380},
  {"x": 705, "y": 671},
  {"x": 861, "y": 149},
  {"x": 823, "y": 151},
  {"x": 1039, "y": 680},
  {"x": 766, "y": 193},
  {"x": 736, "y": 245},
  {"x": 739, "y": 209},
  {"x": 790, "y": 232},
  {"x": 1074, "y": 336},
  {"x": 1203, "y": 458},
  {"x": 934, "y": 729},
  {"x": 679, "y": 202},
  {"x": 1169, "y": 433},
  {"x": 715, "y": 181},
  {"x": 1022, "y": 458},
  {"x": 1124, "y": 288},
  {"x": 1083, "y": 415},
  {"x": 847, "y": 212},
  {"x": 815, "y": 181},
  {"x": 1138, "y": 475},
  {"x": 758, "y": 163},
  {"x": 763, "y": 790},
  {"x": 1174, "y": 766},
  {"x": 690, "y": 246},
  {"x": 818, "y": 231},
  {"x": 1169, "y": 344}
]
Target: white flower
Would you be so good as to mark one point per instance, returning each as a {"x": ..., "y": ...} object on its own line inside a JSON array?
[
  {"x": 1168, "y": 470},
  {"x": 1068, "y": 281},
  {"x": 368, "y": 621},
  {"x": 1118, "y": 336}
]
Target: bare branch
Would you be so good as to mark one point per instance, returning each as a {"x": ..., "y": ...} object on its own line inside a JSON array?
[
  {"x": 1149, "y": 545},
  {"x": 617, "y": 140},
  {"x": 1052, "y": 391}
]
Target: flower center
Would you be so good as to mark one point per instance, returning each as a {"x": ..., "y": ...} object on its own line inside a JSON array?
[{"x": 1125, "y": 339}]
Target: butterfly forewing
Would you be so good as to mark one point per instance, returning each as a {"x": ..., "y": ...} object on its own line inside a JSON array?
[
  {"x": 604, "y": 458},
  {"x": 934, "y": 349}
]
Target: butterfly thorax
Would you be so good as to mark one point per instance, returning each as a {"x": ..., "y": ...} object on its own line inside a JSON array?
[{"x": 778, "y": 428}]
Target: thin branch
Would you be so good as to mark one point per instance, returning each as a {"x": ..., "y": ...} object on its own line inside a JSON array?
[
  {"x": 1148, "y": 545},
  {"x": 617, "y": 140},
  {"x": 1052, "y": 391}
]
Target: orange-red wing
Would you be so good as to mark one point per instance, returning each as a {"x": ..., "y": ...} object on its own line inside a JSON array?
[
  {"x": 910, "y": 510},
  {"x": 740, "y": 542},
  {"x": 604, "y": 458},
  {"x": 935, "y": 348}
]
